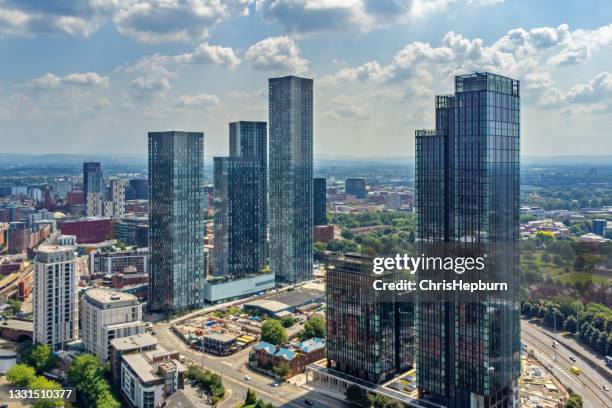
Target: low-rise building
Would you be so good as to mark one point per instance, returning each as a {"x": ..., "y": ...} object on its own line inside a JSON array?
[
  {"x": 218, "y": 343},
  {"x": 296, "y": 356},
  {"x": 148, "y": 378},
  {"x": 128, "y": 345}
]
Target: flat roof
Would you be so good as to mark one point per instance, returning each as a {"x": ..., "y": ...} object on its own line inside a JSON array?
[
  {"x": 23, "y": 325},
  {"x": 134, "y": 342},
  {"x": 104, "y": 295},
  {"x": 141, "y": 366},
  {"x": 220, "y": 337},
  {"x": 269, "y": 305}
]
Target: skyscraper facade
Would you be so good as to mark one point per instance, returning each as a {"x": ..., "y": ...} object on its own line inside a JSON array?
[
  {"x": 467, "y": 192},
  {"x": 176, "y": 220},
  {"x": 92, "y": 180},
  {"x": 55, "y": 300},
  {"x": 290, "y": 202},
  {"x": 356, "y": 187},
  {"x": 239, "y": 245},
  {"x": 319, "y": 201},
  {"x": 369, "y": 332}
]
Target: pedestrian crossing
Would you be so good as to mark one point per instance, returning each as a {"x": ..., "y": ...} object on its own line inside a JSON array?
[{"x": 553, "y": 366}]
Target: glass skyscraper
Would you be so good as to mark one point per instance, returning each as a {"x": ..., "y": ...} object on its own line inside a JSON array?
[
  {"x": 290, "y": 202},
  {"x": 240, "y": 199},
  {"x": 176, "y": 220},
  {"x": 467, "y": 192},
  {"x": 319, "y": 202}
]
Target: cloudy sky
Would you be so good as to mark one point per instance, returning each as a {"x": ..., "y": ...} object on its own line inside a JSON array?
[{"x": 93, "y": 76}]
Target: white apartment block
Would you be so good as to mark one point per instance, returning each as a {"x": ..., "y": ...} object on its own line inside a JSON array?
[
  {"x": 94, "y": 204},
  {"x": 117, "y": 197},
  {"x": 148, "y": 378},
  {"x": 55, "y": 301},
  {"x": 106, "y": 315}
]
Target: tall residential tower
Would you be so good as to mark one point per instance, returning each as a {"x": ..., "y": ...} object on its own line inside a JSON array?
[
  {"x": 176, "y": 220},
  {"x": 467, "y": 194},
  {"x": 290, "y": 202}
]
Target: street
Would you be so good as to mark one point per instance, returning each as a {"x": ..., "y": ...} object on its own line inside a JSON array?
[
  {"x": 588, "y": 384},
  {"x": 233, "y": 370}
]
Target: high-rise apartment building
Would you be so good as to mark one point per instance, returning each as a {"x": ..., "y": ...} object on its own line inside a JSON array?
[
  {"x": 240, "y": 202},
  {"x": 106, "y": 315},
  {"x": 356, "y": 187},
  {"x": 319, "y": 201},
  {"x": 467, "y": 193},
  {"x": 92, "y": 180},
  {"x": 177, "y": 269},
  {"x": 291, "y": 158},
  {"x": 369, "y": 332},
  {"x": 55, "y": 301},
  {"x": 117, "y": 197},
  {"x": 239, "y": 245}
]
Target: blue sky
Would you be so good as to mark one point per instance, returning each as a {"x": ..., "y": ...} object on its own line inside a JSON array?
[{"x": 93, "y": 76}]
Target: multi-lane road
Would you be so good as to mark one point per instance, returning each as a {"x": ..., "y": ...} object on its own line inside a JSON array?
[
  {"x": 234, "y": 371},
  {"x": 589, "y": 383}
]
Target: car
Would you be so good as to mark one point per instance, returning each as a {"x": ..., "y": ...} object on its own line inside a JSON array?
[
  {"x": 555, "y": 345},
  {"x": 247, "y": 378},
  {"x": 606, "y": 388},
  {"x": 274, "y": 385},
  {"x": 308, "y": 402},
  {"x": 572, "y": 359}
]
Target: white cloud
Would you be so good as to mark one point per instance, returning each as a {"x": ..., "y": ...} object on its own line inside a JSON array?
[
  {"x": 593, "y": 91},
  {"x": 343, "y": 106},
  {"x": 149, "y": 87},
  {"x": 587, "y": 97},
  {"x": 308, "y": 16},
  {"x": 52, "y": 81},
  {"x": 175, "y": 20},
  {"x": 279, "y": 54},
  {"x": 209, "y": 54},
  {"x": 199, "y": 100}
]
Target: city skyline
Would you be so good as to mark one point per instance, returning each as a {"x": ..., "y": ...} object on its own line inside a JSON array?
[{"x": 376, "y": 65}]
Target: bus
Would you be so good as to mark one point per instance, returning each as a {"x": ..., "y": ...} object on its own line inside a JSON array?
[{"x": 575, "y": 370}]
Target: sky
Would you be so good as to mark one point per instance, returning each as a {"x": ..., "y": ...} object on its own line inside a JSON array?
[{"x": 94, "y": 76}]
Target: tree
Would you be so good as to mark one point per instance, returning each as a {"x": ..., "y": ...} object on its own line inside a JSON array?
[
  {"x": 282, "y": 371},
  {"x": 314, "y": 327},
  {"x": 574, "y": 401},
  {"x": 41, "y": 383},
  {"x": 14, "y": 306},
  {"x": 42, "y": 358},
  {"x": 288, "y": 321},
  {"x": 251, "y": 397},
  {"x": 87, "y": 375},
  {"x": 545, "y": 257},
  {"x": 380, "y": 401},
  {"x": 570, "y": 324},
  {"x": 273, "y": 332},
  {"x": 526, "y": 309},
  {"x": 356, "y": 396},
  {"x": 20, "y": 375}
]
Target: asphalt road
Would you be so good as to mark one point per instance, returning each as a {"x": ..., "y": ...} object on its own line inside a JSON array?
[
  {"x": 588, "y": 384},
  {"x": 233, "y": 370}
]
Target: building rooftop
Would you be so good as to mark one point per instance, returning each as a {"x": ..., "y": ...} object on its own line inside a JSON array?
[
  {"x": 268, "y": 347},
  {"x": 134, "y": 342},
  {"x": 285, "y": 353},
  {"x": 311, "y": 345},
  {"x": 180, "y": 399},
  {"x": 224, "y": 338},
  {"x": 104, "y": 295}
]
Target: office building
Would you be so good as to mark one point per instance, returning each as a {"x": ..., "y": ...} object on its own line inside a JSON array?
[
  {"x": 319, "y": 201},
  {"x": 137, "y": 189},
  {"x": 92, "y": 180},
  {"x": 176, "y": 220},
  {"x": 107, "y": 315},
  {"x": 369, "y": 332},
  {"x": 55, "y": 302},
  {"x": 356, "y": 187},
  {"x": 599, "y": 227},
  {"x": 290, "y": 201},
  {"x": 239, "y": 202},
  {"x": 467, "y": 194},
  {"x": 88, "y": 230},
  {"x": 133, "y": 231}
]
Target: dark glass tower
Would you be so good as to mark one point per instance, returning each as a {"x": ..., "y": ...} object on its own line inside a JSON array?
[
  {"x": 467, "y": 192},
  {"x": 319, "y": 202},
  {"x": 290, "y": 204},
  {"x": 176, "y": 220},
  {"x": 369, "y": 332},
  {"x": 92, "y": 179},
  {"x": 356, "y": 187}
]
